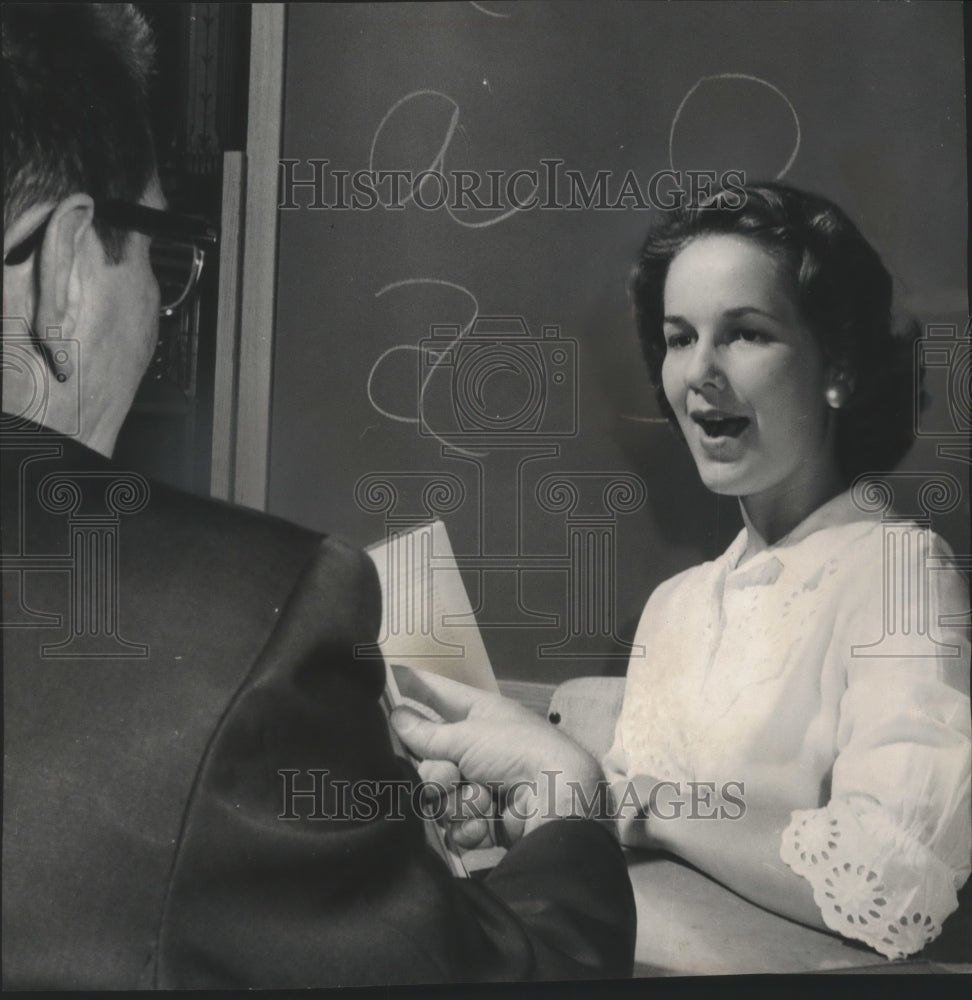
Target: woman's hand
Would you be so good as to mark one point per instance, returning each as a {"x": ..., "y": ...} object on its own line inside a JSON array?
[{"x": 533, "y": 770}]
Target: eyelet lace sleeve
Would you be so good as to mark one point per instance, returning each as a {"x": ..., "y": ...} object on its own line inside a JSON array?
[
  {"x": 871, "y": 881},
  {"x": 887, "y": 854}
]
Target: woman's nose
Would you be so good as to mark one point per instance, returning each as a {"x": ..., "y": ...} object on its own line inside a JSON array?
[{"x": 704, "y": 368}]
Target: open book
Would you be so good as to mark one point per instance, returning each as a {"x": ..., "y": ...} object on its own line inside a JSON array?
[{"x": 428, "y": 623}]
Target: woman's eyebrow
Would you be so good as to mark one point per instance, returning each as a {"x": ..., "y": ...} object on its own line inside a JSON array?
[
  {"x": 735, "y": 313},
  {"x": 743, "y": 310}
]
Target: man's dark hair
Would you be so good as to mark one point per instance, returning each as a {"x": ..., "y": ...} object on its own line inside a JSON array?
[
  {"x": 841, "y": 287},
  {"x": 73, "y": 94}
]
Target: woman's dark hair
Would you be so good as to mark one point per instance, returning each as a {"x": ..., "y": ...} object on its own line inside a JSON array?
[{"x": 843, "y": 291}]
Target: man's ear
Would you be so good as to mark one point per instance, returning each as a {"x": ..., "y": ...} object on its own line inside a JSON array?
[
  {"x": 20, "y": 280},
  {"x": 60, "y": 268}
]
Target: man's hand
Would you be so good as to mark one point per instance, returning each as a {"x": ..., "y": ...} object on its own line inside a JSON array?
[{"x": 491, "y": 741}]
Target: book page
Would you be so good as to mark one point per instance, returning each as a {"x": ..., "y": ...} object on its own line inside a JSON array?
[
  {"x": 427, "y": 619},
  {"x": 428, "y": 623}
]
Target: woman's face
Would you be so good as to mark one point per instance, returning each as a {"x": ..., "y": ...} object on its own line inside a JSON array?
[{"x": 744, "y": 374}]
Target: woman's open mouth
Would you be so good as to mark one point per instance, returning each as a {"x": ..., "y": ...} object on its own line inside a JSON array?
[{"x": 715, "y": 426}]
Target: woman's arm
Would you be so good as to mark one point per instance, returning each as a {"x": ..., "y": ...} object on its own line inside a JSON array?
[
  {"x": 738, "y": 845},
  {"x": 733, "y": 835}
]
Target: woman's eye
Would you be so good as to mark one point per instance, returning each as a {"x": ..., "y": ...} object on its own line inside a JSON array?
[
  {"x": 676, "y": 340},
  {"x": 749, "y": 335}
]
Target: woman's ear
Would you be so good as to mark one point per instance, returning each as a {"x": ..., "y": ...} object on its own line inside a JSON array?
[{"x": 839, "y": 387}]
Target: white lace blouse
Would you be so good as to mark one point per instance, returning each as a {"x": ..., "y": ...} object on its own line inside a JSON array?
[{"x": 831, "y": 671}]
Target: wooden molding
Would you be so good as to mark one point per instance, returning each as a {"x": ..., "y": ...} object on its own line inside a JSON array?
[
  {"x": 228, "y": 326},
  {"x": 259, "y": 272}
]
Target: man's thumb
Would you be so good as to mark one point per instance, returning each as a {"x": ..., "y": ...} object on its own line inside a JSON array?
[{"x": 421, "y": 736}]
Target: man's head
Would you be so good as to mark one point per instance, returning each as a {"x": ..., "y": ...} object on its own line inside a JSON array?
[{"x": 77, "y": 137}]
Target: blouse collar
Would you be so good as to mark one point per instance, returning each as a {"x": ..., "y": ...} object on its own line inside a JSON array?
[{"x": 836, "y": 512}]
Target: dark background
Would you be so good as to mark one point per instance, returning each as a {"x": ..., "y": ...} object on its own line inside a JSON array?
[
  {"x": 202, "y": 54},
  {"x": 878, "y": 91}
]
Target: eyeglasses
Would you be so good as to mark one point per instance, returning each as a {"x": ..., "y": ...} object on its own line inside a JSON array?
[{"x": 177, "y": 251}]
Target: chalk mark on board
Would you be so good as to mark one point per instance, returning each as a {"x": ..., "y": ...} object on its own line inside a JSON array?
[
  {"x": 736, "y": 76},
  {"x": 486, "y": 10},
  {"x": 437, "y": 164},
  {"x": 406, "y": 282}
]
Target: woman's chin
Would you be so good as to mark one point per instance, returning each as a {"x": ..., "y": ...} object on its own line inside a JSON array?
[{"x": 723, "y": 478}]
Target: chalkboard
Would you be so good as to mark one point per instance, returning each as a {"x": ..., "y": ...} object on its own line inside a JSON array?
[{"x": 462, "y": 347}]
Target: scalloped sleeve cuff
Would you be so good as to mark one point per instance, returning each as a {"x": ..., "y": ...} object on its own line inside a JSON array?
[{"x": 872, "y": 881}]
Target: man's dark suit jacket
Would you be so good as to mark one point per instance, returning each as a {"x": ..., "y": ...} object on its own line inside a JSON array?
[{"x": 142, "y": 844}]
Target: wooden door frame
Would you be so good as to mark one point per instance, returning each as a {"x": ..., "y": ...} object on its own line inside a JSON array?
[{"x": 241, "y": 431}]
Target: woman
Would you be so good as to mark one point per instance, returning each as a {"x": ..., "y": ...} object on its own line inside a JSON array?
[
  {"x": 764, "y": 737},
  {"x": 768, "y": 735}
]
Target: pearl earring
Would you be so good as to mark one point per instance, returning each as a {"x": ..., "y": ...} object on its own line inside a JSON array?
[{"x": 836, "y": 397}]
